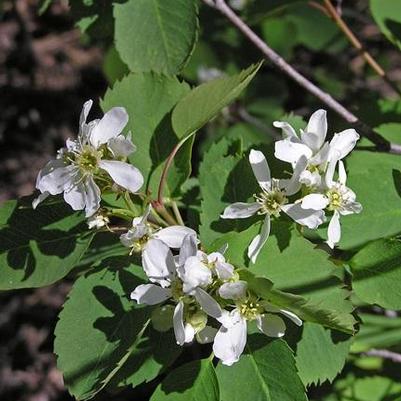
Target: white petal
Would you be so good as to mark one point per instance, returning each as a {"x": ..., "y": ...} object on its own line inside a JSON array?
[
  {"x": 150, "y": 294},
  {"x": 342, "y": 143},
  {"x": 56, "y": 181},
  {"x": 310, "y": 179},
  {"x": 123, "y": 174},
  {"x": 189, "y": 248},
  {"x": 257, "y": 243},
  {"x": 334, "y": 230},
  {"x": 224, "y": 270},
  {"x": 260, "y": 168},
  {"x": 208, "y": 303},
  {"x": 39, "y": 199},
  {"x": 235, "y": 290},
  {"x": 289, "y": 151},
  {"x": 306, "y": 217},
  {"x": 314, "y": 201},
  {"x": 189, "y": 333},
  {"x": 109, "y": 126},
  {"x": 48, "y": 168},
  {"x": 321, "y": 156},
  {"x": 331, "y": 168},
  {"x": 342, "y": 175},
  {"x": 92, "y": 197},
  {"x": 316, "y": 130},
  {"x": 206, "y": 335},
  {"x": 293, "y": 185},
  {"x": 173, "y": 236},
  {"x": 271, "y": 325},
  {"x": 194, "y": 274},
  {"x": 75, "y": 196},
  {"x": 229, "y": 343},
  {"x": 158, "y": 262},
  {"x": 288, "y": 131},
  {"x": 121, "y": 146},
  {"x": 292, "y": 316},
  {"x": 178, "y": 322},
  {"x": 240, "y": 210},
  {"x": 84, "y": 115}
]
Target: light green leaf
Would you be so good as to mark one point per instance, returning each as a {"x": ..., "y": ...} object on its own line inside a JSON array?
[
  {"x": 156, "y": 35},
  {"x": 305, "y": 309},
  {"x": 205, "y": 101},
  {"x": 294, "y": 266},
  {"x": 99, "y": 327},
  {"x": 371, "y": 388},
  {"x": 375, "y": 177},
  {"x": 265, "y": 372},
  {"x": 376, "y": 272},
  {"x": 194, "y": 381},
  {"x": 321, "y": 354},
  {"x": 387, "y": 14},
  {"x": 220, "y": 173},
  {"x": 39, "y": 247},
  {"x": 377, "y": 331},
  {"x": 149, "y": 99}
]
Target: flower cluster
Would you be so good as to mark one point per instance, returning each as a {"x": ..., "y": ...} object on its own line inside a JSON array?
[
  {"x": 312, "y": 183},
  {"x": 194, "y": 286},
  {"x": 92, "y": 163},
  {"x": 202, "y": 296}
]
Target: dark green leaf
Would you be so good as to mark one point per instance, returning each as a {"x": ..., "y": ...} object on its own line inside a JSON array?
[
  {"x": 156, "y": 35},
  {"x": 39, "y": 247},
  {"x": 194, "y": 381}
]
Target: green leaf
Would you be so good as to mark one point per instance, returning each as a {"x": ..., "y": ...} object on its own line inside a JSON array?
[
  {"x": 307, "y": 310},
  {"x": 205, "y": 101},
  {"x": 265, "y": 372},
  {"x": 376, "y": 272},
  {"x": 39, "y": 247},
  {"x": 375, "y": 177},
  {"x": 377, "y": 331},
  {"x": 156, "y": 35},
  {"x": 149, "y": 99},
  {"x": 294, "y": 266},
  {"x": 387, "y": 14},
  {"x": 219, "y": 173},
  {"x": 44, "y": 5},
  {"x": 99, "y": 327},
  {"x": 321, "y": 354},
  {"x": 193, "y": 381},
  {"x": 371, "y": 388},
  {"x": 153, "y": 353},
  {"x": 113, "y": 67}
]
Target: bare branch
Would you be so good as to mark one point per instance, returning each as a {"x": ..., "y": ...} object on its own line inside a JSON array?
[
  {"x": 383, "y": 353},
  {"x": 380, "y": 142}
]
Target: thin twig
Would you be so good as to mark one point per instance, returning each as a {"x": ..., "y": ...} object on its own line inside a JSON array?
[
  {"x": 333, "y": 14},
  {"x": 380, "y": 142},
  {"x": 177, "y": 213},
  {"x": 383, "y": 353}
]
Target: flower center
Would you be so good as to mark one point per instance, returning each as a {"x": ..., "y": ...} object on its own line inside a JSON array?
[
  {"x": 250, "y": 309},
  {"x": 88, "y": 159},
  {"x": 176, "y": 290},
  {"x": 139, "y": 244},
  {"x": 335, "y": 199},
  {"x": 271, "y": 202}
]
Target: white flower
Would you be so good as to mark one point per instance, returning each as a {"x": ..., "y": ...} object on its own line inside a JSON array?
[
  {"x": 94, "y": 159},
  {"x": 141, "y": 232},
  {"x": 337, "y": 198},
  {"x": 97, "y": 221},
  {"x": 189, "y": 317},
  {"x": 200, "y": 269},
  {"x": 271, "y": 201},
  {"x": 230, "y": 340},
  {"x": 311, "y": 144}
]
